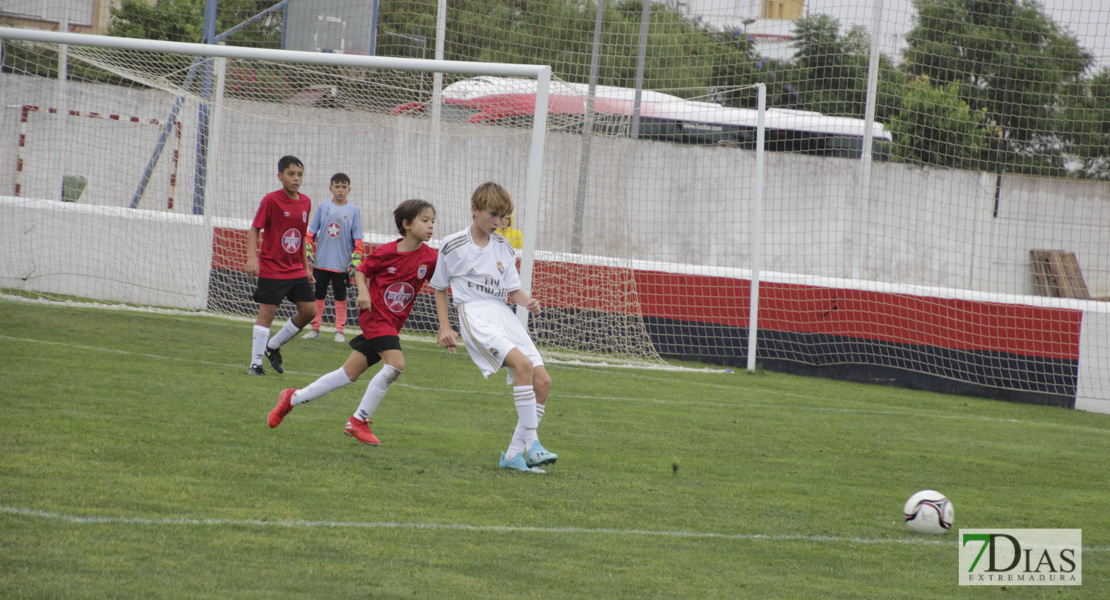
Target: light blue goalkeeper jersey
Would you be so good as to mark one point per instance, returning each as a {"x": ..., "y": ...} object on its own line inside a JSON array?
[{"x": 336, "y": 228}]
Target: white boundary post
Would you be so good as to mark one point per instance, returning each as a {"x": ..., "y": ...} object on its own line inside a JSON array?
[
  {"x": 532, "y": 192},
  {"x": 757, "y": 225}
]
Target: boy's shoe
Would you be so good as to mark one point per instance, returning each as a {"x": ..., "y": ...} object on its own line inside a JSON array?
[
  {"x": 274, "y": 355},
  {"x": 360, "y": 430},
  {"x": 255, "y": 370},
  {"x": 312, "y": 334},
  {"x": 284, "y": 405},
  {"x": 537, "y": 456},
  {"x": 517, "y": 463},
  {"x": 339, "y": 337}
]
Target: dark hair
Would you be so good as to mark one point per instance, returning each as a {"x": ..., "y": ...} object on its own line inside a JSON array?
[
  {"x": 340, "y": 178},
  {"x": 286, "y": 161},
  {"x": 408, "y": 211}
]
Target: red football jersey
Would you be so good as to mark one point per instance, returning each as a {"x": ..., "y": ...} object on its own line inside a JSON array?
[
  {"x": 393, "y": 279},
  {"x": 283, "y": 222}
]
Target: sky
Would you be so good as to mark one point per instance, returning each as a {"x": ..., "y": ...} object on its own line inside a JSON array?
[{"x": 1087, "y": 20}]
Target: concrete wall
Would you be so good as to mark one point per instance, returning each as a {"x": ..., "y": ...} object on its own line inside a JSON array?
[{"x": 646, "y": 200}]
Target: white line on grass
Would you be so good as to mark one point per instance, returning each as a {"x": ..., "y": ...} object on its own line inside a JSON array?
[
  {"x": 772, "y": 537},
  {"x": 870, "y": 411},
  {"x": 15, "y": 510}
]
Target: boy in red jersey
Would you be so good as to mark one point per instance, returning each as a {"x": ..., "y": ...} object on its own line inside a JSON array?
[
  {"x": 388, "y": 281},
  {"x": 282, "y": 268}
]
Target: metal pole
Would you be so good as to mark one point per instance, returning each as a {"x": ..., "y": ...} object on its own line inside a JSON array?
[
  {"x": 200, "y": 180},
  {"x": 757, "y": 226},
  {"x": 864, "y": 187},
  {"x": 61, "y": 105},
  {"x": 587, "y": 130},
  {"x": 640, "y": 54},
  {"x": 532, "y": 192}
]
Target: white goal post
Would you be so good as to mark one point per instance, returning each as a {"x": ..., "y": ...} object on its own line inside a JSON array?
[{"x": 541, "y": 73}]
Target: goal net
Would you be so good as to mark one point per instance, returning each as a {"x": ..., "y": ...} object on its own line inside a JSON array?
[{"x": 150, "y": 165}]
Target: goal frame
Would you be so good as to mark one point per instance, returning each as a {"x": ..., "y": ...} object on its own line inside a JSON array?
[{"x": 541, "y": 73}]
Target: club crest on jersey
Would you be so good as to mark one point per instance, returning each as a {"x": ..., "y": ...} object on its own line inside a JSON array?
[
  {"x": 500, "y": 268},
  {"x": 494, "y": 352},
  {"x": 304, "y": 216},
  {"x": 334, "y": 229},
  {"x": 291, "y": 241},
  {"x": 421, "y": 271},
  {"x": 398, "y": 296}
]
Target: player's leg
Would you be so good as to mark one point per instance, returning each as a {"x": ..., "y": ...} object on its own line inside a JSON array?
[
  {"x": 301, "y": 294},
  {"x": 524, "y": 397},
  {"x": 321, "y": 290},
  {"x": 388, "y": 350},
  {"x": 326, "y": 384},
  {"x": 339, "y": 284},
  {"x": 260, "y": 333},
  {"x": 541, "y": 382}
]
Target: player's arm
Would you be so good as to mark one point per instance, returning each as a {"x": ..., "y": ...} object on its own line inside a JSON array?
[
  {"x": 447, "y": 337},
  {"x": 522, "y": 298},
  {"x": 363, "y": 300},
  {"x": 356, "y": 257},
  {"x": 306, "y": 259},
  {"x": 252, "y": 251},
  {"x": 310, "y": 246}
]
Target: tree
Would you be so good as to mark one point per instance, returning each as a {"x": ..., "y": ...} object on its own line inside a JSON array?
[
  {"x": 1007, "y": 59},
  {"x": 936, "y": 127},
  {"x": 832, "y": 70}
]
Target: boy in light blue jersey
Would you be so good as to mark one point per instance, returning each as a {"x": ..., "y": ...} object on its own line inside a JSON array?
[{"x": 336, "y": 233}]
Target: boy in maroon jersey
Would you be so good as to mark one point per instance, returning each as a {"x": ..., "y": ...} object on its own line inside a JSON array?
[
  {"x": 282, "y": 268},
  {"x": 388, "y": 281}
]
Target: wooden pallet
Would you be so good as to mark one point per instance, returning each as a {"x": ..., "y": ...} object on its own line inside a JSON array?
[{"x": 1056, "y": 273}]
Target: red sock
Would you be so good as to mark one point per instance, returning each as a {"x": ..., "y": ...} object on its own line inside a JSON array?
[
  {"x": 340, "y": 315},
  {"x": 319, "y": 315}
]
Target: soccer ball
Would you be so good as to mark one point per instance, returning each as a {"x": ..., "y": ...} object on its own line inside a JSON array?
[{"x": 929, "y": 511}]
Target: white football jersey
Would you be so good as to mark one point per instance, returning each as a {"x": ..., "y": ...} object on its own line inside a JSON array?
[{"x": 473, "y": 272}]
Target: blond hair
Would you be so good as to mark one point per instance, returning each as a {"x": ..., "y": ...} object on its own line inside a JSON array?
[{"x": 491, "y": 196}]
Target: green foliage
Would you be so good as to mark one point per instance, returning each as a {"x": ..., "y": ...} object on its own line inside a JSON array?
[
  {"x": 831, "y": 70},
  {"x": 1008, "y": 59},
  {"x": 936, "y": 127},
  {"x": 1086, "y": 120},
  {"x": 166, "y": 20}
]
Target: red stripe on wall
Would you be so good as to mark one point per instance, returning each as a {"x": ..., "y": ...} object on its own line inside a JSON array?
[{"x": 877, "y": 316}]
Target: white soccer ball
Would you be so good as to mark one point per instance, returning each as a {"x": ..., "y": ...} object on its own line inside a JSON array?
[{"x": 929, "y": 511}]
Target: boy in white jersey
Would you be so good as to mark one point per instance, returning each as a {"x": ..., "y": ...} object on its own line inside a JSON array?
[{"x": 479, "y": 266}]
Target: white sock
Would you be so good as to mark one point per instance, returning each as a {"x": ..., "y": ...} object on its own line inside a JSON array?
[
  {"x": 258, "y": 344},
  {"x": 539, "y": 413},
  {"x": 524, "y": 396},
  {"x": 379, "y": 385},
  {"x": 287, "y": 332},
  {"x": 326, "y": 384}
]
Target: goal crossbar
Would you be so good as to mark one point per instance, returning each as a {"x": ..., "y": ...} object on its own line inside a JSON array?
[{"x": 426, "y": 65}]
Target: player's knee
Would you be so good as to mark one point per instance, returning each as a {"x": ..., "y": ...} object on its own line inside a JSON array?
[
  {"x": 394, "y": 372},
  {"x": 397, "y": 363},
  {"x": 541, "y": 381}
]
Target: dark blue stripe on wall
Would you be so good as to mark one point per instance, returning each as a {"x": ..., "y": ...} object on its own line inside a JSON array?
[{"x": 997, "y": 375}]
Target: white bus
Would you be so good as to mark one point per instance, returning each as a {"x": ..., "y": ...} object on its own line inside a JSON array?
[{"x": 663, "y": 117}]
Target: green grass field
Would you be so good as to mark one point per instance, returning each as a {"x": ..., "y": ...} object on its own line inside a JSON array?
[{"x": 135, "y": 462}]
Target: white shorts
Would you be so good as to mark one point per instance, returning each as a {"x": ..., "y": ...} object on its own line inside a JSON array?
[{"x": 490, "y": 330}]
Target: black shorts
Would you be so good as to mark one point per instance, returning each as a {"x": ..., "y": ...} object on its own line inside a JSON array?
[
  {"x": 338, "y": 281},
  {"x": 371, "y": 347},
  {"x": 273, "y": 291}
]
